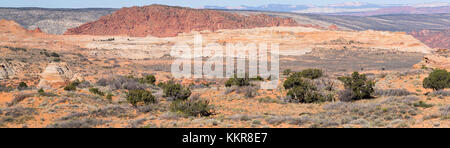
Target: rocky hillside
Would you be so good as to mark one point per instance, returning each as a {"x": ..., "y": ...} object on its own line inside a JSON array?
[
  {"x": 54, "y": 21},
  {"x": 434, "y": 38},
  {"x": 167, "y": 21}
]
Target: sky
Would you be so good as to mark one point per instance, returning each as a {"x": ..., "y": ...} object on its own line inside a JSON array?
[{"x": 186, "y": 3}]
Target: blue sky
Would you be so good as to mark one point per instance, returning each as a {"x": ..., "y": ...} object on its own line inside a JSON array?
[{"x": 188, "y": 3}]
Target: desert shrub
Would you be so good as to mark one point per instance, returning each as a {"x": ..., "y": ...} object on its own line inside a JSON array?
[
  {"x": 258, "y": 78},
  {"x": 229, "y": 82},
  {"x": 96, "y": 91},
  {"x": 15, "y": 48},
  {"x": 379, "y": 113},
  {"x": 287, "y": 72},
  {"x": 324, "y": 84},
  {"x": 248, "y": 91},
  {"x": 148, "y": 108},
  {"x": 148, "y": 79},
  {"x": 128, "y": 83},
  {"x": 175, "y": 91},
  {"x": 445, "y": 112},
  {"x": 268, "y": 100},
  {"x": 229, "y": 90},
  {"x": 191, "y": 107},
  {"x": 441, "y": 93},
  {"x": 392, "y": 92},
  {"x": 346, "y": 95},
  {"x": 57, "y": 60},
  {"x": 295, "y": 80},
  {"x": 305, "y": 95},
  {"x": 437, "y": 80},
  {"x": 83, "y": 123},
  {"x": 238, "y": 82},
  {"x": 109, "y": 97},
  {"x": 72, "y": 86},
  {"x": 140, "y": 96},
  {"x": 301, "y": 90},
  {"x": 275, "y": 120},
  {"x": 84, "y": 84},
  {"x": 6, "y": 89},
  {"x": 17, "y": 114},
  {"x": 54, "y": 54},
  {"x": 19, "y": 98},
  {"x": 422, "y": 104},
  {"x": 359, "y": 84},
  {"x": 111, "y": 110},
  {"x": 311, "y": 73},
  {"x": 102, "y": 82},
  {"x": 133, "y": 85},
  {"x": 41, "y": 91},
  {"x": 22, "y": 86}
]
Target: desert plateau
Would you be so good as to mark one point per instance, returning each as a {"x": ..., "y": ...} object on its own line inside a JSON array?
[{"x": 113, "y": 68}]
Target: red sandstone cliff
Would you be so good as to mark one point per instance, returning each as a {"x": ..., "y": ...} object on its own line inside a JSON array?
[{"x": 167, "y": 21}]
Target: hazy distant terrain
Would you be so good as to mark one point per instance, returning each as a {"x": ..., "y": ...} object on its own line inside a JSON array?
[
  {"x": 348, "y": 8},
  {"x": 57, "y": 21},
  {"x": 394, "y": 22}
]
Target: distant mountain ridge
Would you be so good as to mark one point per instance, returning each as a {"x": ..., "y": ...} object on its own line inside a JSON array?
[{"x": 349, "y": 8}]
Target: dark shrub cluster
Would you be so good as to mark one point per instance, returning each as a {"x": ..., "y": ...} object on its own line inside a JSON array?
[
  {"x": 359, "y": 84},
  {"x": 192, "y": 107},
  {"x": 175, "y": 91},
  {"x": 287, "y": 72},
  {"x": 109, "y": 97},
  {"x": 22, "y": 86},
  {"x": 437, "y": 80},
  {"x": 96, "y": 91},
  {"x": 311, "y": 73},
  {"x": 301, "y": 90},
  {"x": 135, "y": 97},
  {"x": 148, "y": 79},
  {"x": 237, "y": 81},
  {"x": 72, "y": 86}
]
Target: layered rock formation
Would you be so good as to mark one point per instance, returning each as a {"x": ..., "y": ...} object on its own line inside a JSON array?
[
  {"x": 6, "y": 71},
  {"x": 167, "y": 21},
  {"x": 434, "y": 38},
  {"x": 55, "y": 75}
]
